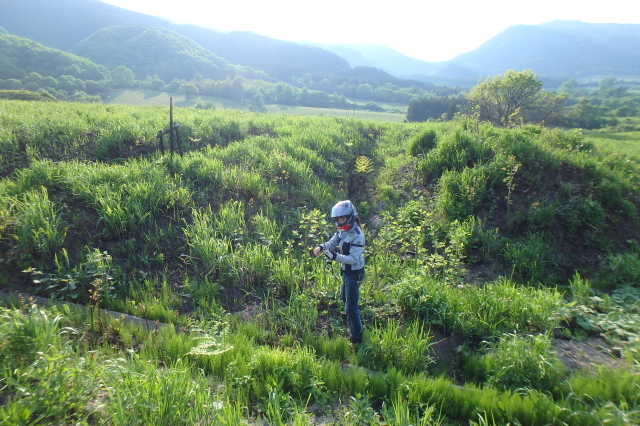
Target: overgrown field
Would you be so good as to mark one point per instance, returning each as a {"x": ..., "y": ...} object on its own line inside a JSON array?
[
  {"x": 155, "y": 98},
  {"x": 486, "y": 247}
]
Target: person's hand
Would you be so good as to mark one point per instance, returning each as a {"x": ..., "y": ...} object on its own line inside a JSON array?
[
  {"x": 317, "y": 250},
  {"x": 331, "y": 255}
]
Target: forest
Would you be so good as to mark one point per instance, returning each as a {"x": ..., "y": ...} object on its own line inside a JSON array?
[{"x": 501, "y": 287}]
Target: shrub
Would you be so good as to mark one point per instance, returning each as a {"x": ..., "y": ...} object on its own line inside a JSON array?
[
  {"x": 423, "y": 142},
  {"x": 391, "y": 346},
  {"x": 522, "y": 361}
]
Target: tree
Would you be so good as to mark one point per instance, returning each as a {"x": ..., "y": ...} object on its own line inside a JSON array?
[
  {"x": 607, "y": 83},
  {"x": 365, "y": 91},
  {"x": 122, "y": 77},
  {"x": 568, "y": 86},
  {"x": 188, "y": 90},
  {"x": 432, "y": 107},
  {"x": 503, "y": 99}
]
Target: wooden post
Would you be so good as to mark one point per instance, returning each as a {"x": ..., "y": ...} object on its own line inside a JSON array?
[
  {"x": 161, "y": 141},
  {"x": 171, "y": 142}
]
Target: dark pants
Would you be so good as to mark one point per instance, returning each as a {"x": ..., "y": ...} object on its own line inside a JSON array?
[{"x": 350, "y": 295}]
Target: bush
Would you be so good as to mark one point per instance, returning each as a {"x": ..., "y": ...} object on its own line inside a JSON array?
[
  {"x": 522, "y": 362},
  {"x": 425, "y": 141}
]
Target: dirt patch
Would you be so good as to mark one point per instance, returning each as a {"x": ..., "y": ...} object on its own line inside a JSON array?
[
  {"x": 445, "y": 351},
  {"x": 587, "y": 353}
]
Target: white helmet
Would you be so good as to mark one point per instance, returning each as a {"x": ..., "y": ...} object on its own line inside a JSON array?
[{"x": 344, "y": 208}]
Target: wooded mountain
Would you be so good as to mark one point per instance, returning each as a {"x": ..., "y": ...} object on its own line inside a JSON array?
[
  {"x": 556, "y": 50},
  {"x": 20, "y": 57},
  {"x": 150, "y": 51},
  {"x": 64, "y": 23},
  {"x": 568, "y": 49}
]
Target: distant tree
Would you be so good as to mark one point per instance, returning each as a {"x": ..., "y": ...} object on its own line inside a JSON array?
[
  {"x": 432, "y": 107},
  {"x": 365, "y": 91},
  {"x": 152, "y": 83},
  {"x": 285, "y": 94},
  {"x": 122, "y": 77},
  {"x": 326, "y": 86},
  {"x": 257, "y": 100},
  {"x": 503, "y": 99},
  {"x": 205, "y": 105},
  {"x": 568, "y": 86},
  {"x": 189, "y": 90},
  {"x": 372, "y": 106},
  {"x": 607, "y": 83},
  {"x": 586, "y": 116},
  {"x": 10, "y": 84},
  {"x": 174, "y": 85}
]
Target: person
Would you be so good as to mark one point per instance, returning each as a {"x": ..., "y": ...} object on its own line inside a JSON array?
[{"x": 346, "y": 246}]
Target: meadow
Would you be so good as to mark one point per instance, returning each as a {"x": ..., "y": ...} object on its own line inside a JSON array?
[
  {"x": 624, "y": 142},
  {"x": 486, "y": 247},
  {"x": 154, "y": 98}
]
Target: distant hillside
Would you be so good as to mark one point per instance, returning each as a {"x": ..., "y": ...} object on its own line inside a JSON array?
[
  {"x": 21, "y": 56},
  {"x": 64, "y": 23},
  {"x": 383, "y": 57},
  {"x": 281, "y": 59},
  {"x": 555, "y": 50},
  {"x": 150, "y": 51}
]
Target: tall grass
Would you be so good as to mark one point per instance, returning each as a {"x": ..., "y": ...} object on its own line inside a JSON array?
[
  {"x": 39, "y": 228},
  {"x": 489, "y": 311},
  {"x": 228, "y": 226}
]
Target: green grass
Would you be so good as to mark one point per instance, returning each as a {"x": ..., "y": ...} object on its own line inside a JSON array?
[
  {"x": 336, "y": 112},
  {"x": 154, "y": 98},
  {"x": 627, "y": 143},
  {"x": 142, "y": 97},
  {"x": 475, "y": 236}
]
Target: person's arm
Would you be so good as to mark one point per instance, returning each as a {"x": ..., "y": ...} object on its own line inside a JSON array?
[{"x": 329, "y": 245}]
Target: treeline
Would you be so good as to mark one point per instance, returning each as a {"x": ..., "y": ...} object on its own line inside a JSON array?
[
  {"x": 518, "y": 97},
  {"x": 608, "y": 105}
]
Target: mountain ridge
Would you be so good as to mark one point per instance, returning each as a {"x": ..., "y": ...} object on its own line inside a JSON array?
[{"x": 554, "y": 50}]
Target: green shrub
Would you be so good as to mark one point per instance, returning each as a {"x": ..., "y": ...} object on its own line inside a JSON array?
[
  {"x": 526, "y": 258},
  {"x": 390, "y": 346},
  {"x": 39, "y": 227},
  {"x": 423, "y": 142},
  {"x": 480, "y": 313},
  {"x": 455, "y": 151},
  {"x": 460, "y": 193},
  {"x": 522, "y": 361}
]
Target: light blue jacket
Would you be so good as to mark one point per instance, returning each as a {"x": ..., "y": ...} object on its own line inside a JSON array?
[{"x": 350, "y": 248}]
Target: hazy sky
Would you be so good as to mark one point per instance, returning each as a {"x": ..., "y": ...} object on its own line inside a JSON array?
[{"x": 431, "y": 31}]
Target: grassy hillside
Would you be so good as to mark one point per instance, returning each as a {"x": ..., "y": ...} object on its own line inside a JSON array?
[{"x": 488, "y": 249}]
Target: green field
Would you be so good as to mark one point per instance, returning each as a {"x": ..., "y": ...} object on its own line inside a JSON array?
[
  {"x": 501, "y": 286},
  {"x": 150, "y": 97},
  {"x": 623, "y": 143}
]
